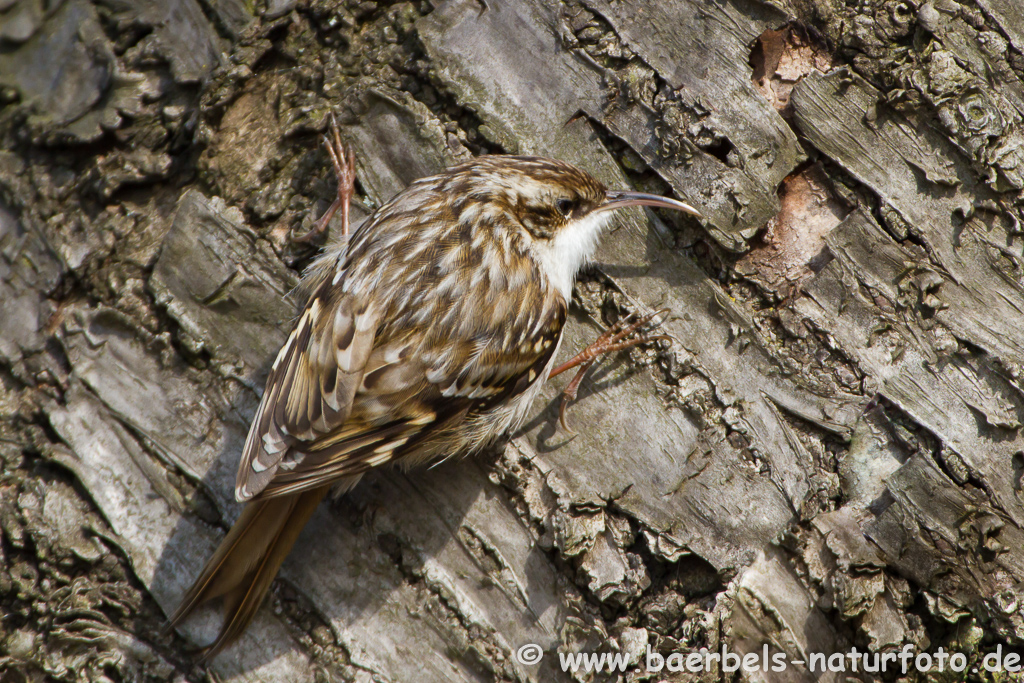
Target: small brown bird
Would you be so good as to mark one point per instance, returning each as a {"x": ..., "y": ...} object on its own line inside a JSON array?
[{"x": 427, "y": 332}]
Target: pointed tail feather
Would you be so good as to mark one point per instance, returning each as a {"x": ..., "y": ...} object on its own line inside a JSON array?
[{"x": 247, "y": 560}]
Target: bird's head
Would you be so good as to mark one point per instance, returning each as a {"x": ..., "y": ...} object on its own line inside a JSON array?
[{"x": 561, "y": 209}]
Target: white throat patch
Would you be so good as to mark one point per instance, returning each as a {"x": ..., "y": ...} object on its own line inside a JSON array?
[{"x": 562, "y": 257}]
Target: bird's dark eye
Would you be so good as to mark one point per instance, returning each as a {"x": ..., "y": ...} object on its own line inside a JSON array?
[{"x": 565, "y": 206}]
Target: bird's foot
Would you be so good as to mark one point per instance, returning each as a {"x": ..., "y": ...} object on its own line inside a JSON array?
[
  {"x": 618, "y": 337},
  {"x": 345, "y": 172}
]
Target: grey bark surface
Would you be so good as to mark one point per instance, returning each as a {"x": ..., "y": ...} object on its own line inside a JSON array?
[{"x": 828, "y": 455}]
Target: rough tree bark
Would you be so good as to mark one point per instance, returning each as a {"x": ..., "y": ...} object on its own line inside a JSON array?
[{"x": 829, "y": 456}]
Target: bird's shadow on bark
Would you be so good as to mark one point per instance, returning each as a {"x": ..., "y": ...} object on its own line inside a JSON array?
[
  {"x": 550, "y": 436},
  {"x": 361, "y": 559}
]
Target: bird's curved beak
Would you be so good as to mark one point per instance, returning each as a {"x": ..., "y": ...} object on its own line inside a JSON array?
[{"x": 619, "y": 199}]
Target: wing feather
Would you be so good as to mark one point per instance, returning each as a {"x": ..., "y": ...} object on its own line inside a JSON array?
[{"x": 310, "y": 388}]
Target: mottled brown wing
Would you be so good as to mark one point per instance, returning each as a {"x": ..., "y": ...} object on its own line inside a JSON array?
[
  {"x": 389, "y": 400},
  {"x": 310, "y": 388}
]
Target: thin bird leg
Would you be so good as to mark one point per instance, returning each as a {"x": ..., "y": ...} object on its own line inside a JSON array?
[
  {"x": 611, "y": 340},
  {"x": 345, "y": 172}
]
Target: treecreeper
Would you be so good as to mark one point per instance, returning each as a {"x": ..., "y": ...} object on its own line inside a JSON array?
[{"x": 427, "y": 333}]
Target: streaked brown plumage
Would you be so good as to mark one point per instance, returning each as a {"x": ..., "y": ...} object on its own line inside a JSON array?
[{"x": 427, "y": 333}]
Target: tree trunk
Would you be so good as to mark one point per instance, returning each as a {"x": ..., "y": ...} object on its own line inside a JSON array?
[{"x": 829, "y": 455}]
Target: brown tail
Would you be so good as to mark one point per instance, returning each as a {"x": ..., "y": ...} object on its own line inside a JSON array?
[{"x": 247, "y": 561}]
